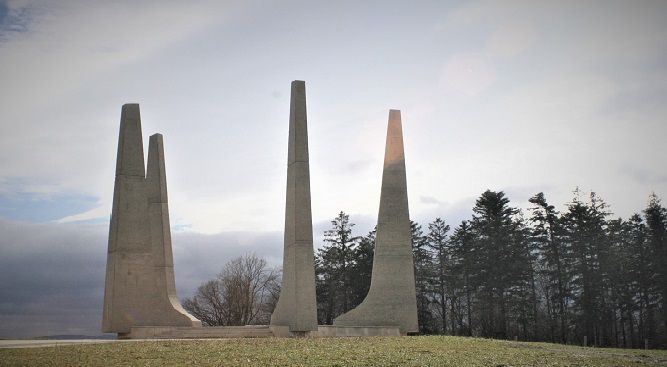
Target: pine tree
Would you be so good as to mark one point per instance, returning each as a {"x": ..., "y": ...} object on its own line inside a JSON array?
[
  {"x": 362, "y": 268},
  {"x": 463, "y": 282},
  {"x": 624, "y": 238},
  {"x": 442, "y": 263},
  {"x": 656, "y": 225},
  {"x": 334, "y": 262},
  {"x": 553, "y": 261},
  {"x": 584, "y": 227},
  {"x": 494, "y": 226},
  {"x": 423, "y": 267}
]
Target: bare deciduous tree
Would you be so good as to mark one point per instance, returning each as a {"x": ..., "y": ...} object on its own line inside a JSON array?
[{"x": 244, "y": 293}]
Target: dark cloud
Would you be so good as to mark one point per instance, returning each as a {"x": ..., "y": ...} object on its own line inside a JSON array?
[
  {"x": 51, "y": 278},
  {"x": 644, "y": 176},
  {"x": 4, "y": 12},
  {"x": 199, "y": 257},
  {"x": 39, "y": 208},
  {"x": 52, "y": 275},
  {"x": 14, "y": 20}
]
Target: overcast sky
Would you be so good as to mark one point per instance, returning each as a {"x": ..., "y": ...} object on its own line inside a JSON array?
[{"x": 519, "y": 96}]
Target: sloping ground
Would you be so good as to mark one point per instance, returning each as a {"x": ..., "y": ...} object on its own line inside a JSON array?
[{"x": 371, "y": 351}]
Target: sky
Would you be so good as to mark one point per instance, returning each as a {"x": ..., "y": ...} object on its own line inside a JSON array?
[{"x": 518, "y": 96}]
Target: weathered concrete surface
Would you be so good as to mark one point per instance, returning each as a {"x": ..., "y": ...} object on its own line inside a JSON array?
[
  {"x": 171, "y": 332},
  {"x": 329, "y": 331},
  {"x": 296, "y": 306},
  {"x": 139, "y": 288},
  {"x": 391, "y": 299},
  {"x": 168, "y": 309},
  {"x": 256, "y": 331},
  {"x": 333, "y": 331}
]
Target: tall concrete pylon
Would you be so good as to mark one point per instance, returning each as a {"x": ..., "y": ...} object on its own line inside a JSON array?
[
  {"x": 140, "y": 288},
  {"x": 391, "y": 299},
  {"x": 296, "y": 307},
  {"x": 168, "y": 308}
]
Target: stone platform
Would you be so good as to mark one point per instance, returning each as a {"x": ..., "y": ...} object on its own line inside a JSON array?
[{"x": 253, "y": 331}]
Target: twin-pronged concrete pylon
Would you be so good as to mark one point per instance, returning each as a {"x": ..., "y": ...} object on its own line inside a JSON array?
[
  {"x": 296, "y": 307},
  {"x": 139, "y": 288},
  {"x": 391, "y": 299}
]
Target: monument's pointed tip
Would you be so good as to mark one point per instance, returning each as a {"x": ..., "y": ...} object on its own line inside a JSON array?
[
  {"x": 298, "y": 82},
  {"x": 130, "y": 142},
  {"x": 394, "y": 146},
  {"x": 130, "y": 111},
  {"x": 155, "y": 174},
  {"x": 394, "y": 116}
]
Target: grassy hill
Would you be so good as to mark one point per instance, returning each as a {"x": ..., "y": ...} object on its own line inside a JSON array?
[{"x": 380, "y": 351}]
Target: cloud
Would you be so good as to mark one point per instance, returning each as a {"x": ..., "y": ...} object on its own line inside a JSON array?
[
  {"x": 52, "y": 275},
  {"x": 428, "y": 200},
  {"x": 644, "y": 176},
  {"x": 52, "y": 130},
  {"x": 23, "y": 200}
]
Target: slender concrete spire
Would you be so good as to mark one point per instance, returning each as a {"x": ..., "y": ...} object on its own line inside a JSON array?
[
  {"x": 168, "y": 308},
  {"x": 296, "y": 306},
  {"x": 139, "y": 288},
  {"x": 129, "y": 245},
  {"x": 391, "y": 299}
]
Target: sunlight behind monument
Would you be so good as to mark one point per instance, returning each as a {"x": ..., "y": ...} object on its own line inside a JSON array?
[{"x": 391, "y": 299}]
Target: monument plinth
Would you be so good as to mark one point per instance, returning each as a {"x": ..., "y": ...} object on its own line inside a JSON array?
[{"x": 391, "y": 299}]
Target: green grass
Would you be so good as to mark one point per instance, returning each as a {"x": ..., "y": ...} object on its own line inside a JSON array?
[{"x": 379, "y": 351}]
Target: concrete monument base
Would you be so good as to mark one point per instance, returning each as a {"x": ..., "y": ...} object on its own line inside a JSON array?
[
  {"x": 333, "y": 331},
  {"x": 254, "y": 331},
  {"x": 177, "y": 332}
]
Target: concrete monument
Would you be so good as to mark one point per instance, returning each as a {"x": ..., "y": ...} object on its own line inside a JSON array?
[
  {"x": 140, "y": 288},
  {"x": 391, "y": 299},
  {"x": 296, "y": 307}
]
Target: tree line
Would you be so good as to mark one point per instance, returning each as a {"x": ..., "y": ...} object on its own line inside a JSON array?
[{"x": 577, "y": 276}]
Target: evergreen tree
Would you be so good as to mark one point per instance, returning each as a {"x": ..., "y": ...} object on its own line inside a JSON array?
[
  {"x": 553, "y": 265},
  {"x": 493, "y": 225},
  {"x": 423, "y": 267},
  {"x": 362, "y": 268},
  {"x": 624, "y": 237},
  {"x": 443, "y": 264},
  {"x": 334, "y": 262},
  {"x": 656, "y": 225},
  {"x": 463, "y": 283},
  {"x": 584, "y": 227}
]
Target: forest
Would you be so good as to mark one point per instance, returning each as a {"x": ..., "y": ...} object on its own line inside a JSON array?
[{"x": 575, "y": 277}]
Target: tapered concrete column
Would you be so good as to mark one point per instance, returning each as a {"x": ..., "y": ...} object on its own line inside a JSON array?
[
  {"x": 296, "y": 307},
  {"x": 168, "y": 309},
  {"x": 391, "y": 299},
  {"x": 139, "y": 261}
]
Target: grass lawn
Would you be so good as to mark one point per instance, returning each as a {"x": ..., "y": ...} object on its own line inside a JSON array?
[{"x": 377, "y": 351}]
